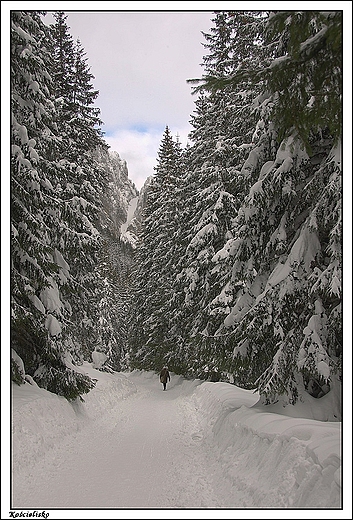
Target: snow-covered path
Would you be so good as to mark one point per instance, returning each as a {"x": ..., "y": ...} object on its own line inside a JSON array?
[
  {"x": 198, "y": 445},
  {"x": 144, "y": 452}
]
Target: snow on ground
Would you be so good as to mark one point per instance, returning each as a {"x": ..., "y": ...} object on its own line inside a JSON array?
[
  {"x": 199, "y": 445},
  {"x": 130, "y": 214}
]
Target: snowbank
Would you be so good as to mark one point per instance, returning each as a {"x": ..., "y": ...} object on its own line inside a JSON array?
[
  {"x": 41, "y": 419},
  {"x": 285, "y": 462}
]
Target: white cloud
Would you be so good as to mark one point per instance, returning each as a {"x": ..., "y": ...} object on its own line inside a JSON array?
[
  {"x": 141, "y": 61},
  {"x": 139, "y": 150}
]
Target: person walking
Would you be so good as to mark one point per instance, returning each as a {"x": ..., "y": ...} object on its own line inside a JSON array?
[{"x": 164, "y": 376}]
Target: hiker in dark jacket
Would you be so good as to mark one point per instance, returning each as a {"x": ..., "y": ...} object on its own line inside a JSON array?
[{"x": 164, "y": 376}]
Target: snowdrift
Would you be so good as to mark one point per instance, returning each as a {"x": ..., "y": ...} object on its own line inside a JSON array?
[
  {"x": 41, "y": 419},
  {"x": 282, "y": 461}
]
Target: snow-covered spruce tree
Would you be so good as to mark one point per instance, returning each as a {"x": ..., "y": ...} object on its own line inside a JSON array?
[
  {"x": 107, "y": 349},
  {"x": 82, "y": 186},
  {"x": 151, "y": 341},
  {"x": 205, "y": 220},
  {"x": 38, "y": 313},
  {"x": 223, "y": 126},
  {"x": 234, "y": 43},
  {"x": 306, "y": 77},
  {"x": 283, "y": 334}
]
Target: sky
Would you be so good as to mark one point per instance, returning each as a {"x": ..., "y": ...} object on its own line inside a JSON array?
[
  {"x": 141, "y": 61},
  {"x": 218, "y": 447}
]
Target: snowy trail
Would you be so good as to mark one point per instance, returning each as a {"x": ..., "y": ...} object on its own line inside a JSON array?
[
  {"x": 146, "y": 451},
  {"x": 199, "y": 445}
]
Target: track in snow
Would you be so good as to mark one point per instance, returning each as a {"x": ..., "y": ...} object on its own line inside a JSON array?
[{"x": 148, "y": 451}]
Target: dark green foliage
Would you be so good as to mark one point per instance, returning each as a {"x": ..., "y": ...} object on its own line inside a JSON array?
[
  {"x": 65, "y": 382},
  {"x": 16, "y": 374},
  {"x": 31, "y": 139},
  {"x": 56, "y": 200},
  {"x": 303, "y": 71},
  {"x": 223, "y": 124},
  {"x": 75, "y": 95},
  {"x": 308, "y": 80},
  {"x": 45, "y": 363},
  {"x": 155, "y": 258}
]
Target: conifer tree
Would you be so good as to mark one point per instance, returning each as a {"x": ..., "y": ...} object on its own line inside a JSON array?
[
  {"x": 155, "y": 260},
  {"x": 38, "y": 312},
  {"x": 282, "y": 333},
  {"x": 82, "y": 184},
  {"x": 306, "y": 74},
  {"x": 223, "y": 128}
]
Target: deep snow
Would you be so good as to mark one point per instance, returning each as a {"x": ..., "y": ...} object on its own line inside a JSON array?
[{"x": 199, "y": 445}]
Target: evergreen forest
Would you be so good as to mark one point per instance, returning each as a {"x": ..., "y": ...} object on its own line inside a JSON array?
[{"x": 231, "y": 269}]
